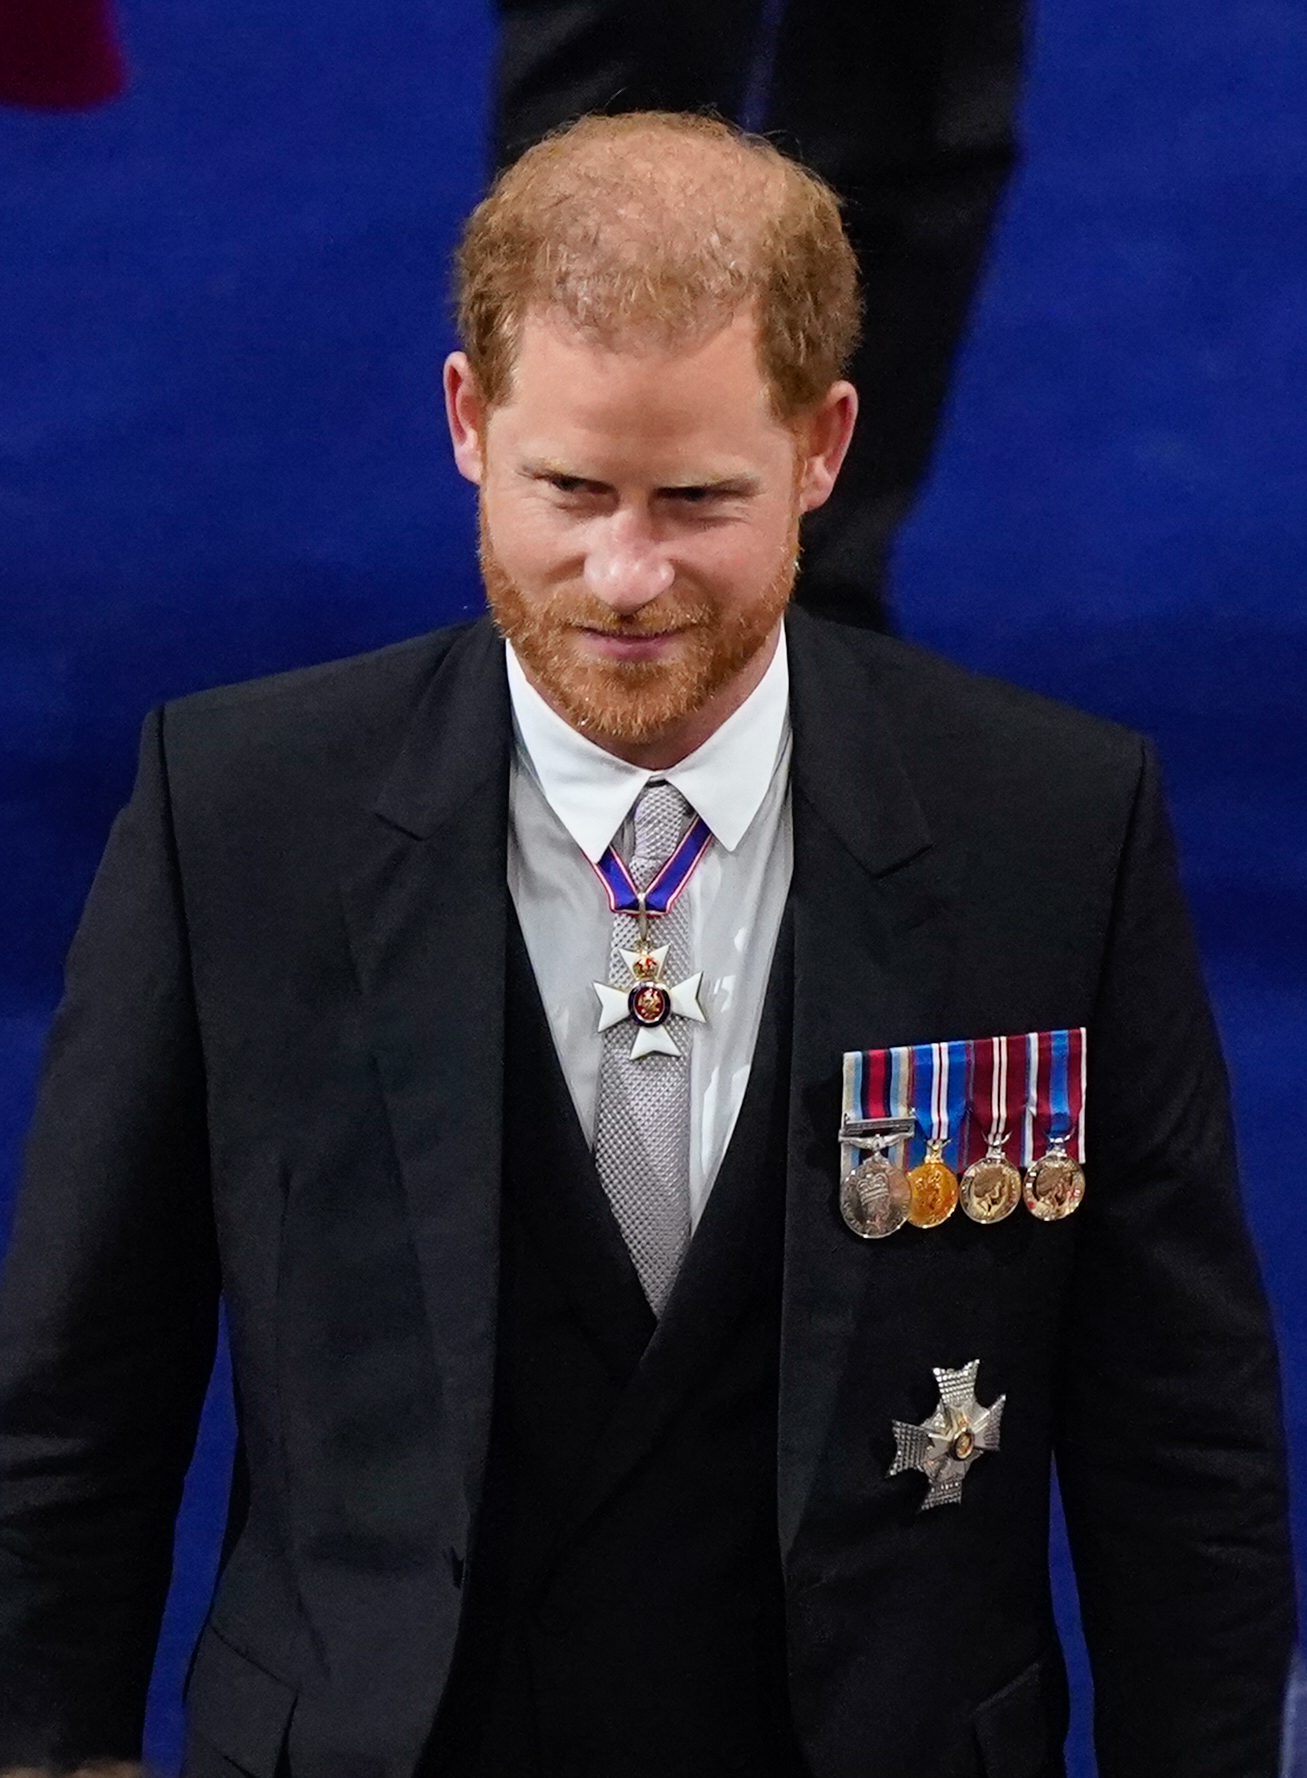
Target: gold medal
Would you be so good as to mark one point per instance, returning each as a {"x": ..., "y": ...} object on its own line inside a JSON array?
[
  {"x": 990, "y": 1189},
  {"x": 933, "y": 1187},
  {"x": 1054, "y": 1185},
  {"x": 874, "y": 1198}
]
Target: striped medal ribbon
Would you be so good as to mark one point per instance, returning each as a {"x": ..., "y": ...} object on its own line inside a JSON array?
[
  {"x": 665, "y": 890},
  {"x": 990, "y": 1187},
  {"x": 1055, "y": 1179},
  {"x": 939, "y": 1098}
]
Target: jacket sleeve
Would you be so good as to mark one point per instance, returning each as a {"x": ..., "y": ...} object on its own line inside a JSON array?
[
  {"x": 108, "y": 1311},
  {"x": 1170, "y": 1450}
]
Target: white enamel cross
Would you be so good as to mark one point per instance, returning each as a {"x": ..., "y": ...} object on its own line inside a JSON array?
[{"x": 649, "y": 1002}]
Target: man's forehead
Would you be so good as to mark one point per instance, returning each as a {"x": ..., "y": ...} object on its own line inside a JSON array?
[
  {"x": 697, "y": 414},
  {"x": 547, "y": 343}
]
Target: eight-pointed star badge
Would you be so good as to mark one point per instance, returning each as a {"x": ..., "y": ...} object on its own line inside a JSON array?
[
  {"x": 945, "y": 1446},
  {"x": 650, "y": 1002}
]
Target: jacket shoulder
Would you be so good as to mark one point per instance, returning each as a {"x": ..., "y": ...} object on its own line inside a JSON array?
[
  {"x": 325, "y": 722},
  {"x": 908, "y": 674},
  {"x": 337, "y": 686},
  {"x": 982, "y": 736}
]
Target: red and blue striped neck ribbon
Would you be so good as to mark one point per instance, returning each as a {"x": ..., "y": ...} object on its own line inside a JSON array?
[{"x": 663, "y": 893}]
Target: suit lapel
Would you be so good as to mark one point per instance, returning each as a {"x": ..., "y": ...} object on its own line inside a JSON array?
[
  {"x": 426, "y": 909},
  {"x": 873, "y": 908}
]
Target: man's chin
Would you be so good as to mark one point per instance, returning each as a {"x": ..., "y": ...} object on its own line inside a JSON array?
[
  {"x": 626, "y": 687},
  {"x": 630, "y": 702}
]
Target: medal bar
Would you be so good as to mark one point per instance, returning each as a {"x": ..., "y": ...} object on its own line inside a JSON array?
[{"x": 983, "y": 1109}]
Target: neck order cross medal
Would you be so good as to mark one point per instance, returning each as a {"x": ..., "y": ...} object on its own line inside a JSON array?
[{"x": 649, "y": 1001}]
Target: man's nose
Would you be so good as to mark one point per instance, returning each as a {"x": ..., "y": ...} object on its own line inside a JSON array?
[{"x": 625, "y": 565}]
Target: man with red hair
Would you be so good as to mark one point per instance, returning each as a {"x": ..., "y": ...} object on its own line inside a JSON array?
[{"x": 517, "y": 1026}]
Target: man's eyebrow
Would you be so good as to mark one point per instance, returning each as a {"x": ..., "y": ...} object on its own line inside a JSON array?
[{"x": 547, "y": 469}]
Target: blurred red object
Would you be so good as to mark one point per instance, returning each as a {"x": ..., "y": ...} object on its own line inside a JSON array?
[{"x": 59, "y": 54}]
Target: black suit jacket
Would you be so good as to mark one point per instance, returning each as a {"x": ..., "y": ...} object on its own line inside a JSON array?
[{"x": 278, "y": 1069}]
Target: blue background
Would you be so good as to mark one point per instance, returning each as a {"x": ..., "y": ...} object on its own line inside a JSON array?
[{"x": 221, "y": 453}]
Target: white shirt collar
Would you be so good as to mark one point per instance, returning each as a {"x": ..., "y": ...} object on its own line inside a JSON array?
[{"x": 592, "y": 791}]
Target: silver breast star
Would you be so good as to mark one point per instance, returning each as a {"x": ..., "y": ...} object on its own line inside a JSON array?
[
  {"x": 649, "y": 1002},
  {"x": 945, "y": 1446}
]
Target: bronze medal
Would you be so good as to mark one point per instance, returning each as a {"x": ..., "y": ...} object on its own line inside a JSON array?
[
  {"x": 934, "y": 1189},
  {"x": 1054, "y": 1185},
  {"x": 874, "y": 1198},
  {"x": 990, "y": 1189}
]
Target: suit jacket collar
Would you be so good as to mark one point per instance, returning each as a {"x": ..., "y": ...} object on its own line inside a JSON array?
[{"x": 457, "y": 745}]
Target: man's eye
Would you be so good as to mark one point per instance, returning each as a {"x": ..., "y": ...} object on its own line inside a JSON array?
[
  {"x": 568, "y": 484},
  {"x": 707, "y": 494}
]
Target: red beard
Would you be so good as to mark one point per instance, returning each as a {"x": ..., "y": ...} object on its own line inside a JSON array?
[{"x": 632, "y": 702}]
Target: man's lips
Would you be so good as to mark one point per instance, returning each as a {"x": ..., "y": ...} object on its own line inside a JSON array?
[{"x": 630, "y": 644}]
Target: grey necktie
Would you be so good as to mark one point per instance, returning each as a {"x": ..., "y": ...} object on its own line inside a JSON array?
[{"x": 642, "y": 1132}]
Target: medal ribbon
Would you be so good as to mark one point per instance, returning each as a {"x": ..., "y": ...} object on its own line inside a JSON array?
[
  {"x": 993, "y": 1104},
  {"x": 877, "y": 1087},
  {"x": 1077, "y": 1081},
  {"x": 900, "y": 1099},
  {"x": 938, "y": 1091},
  {"x": 866, "y": 1083},
  {"x": 1018, "y": 1074},
  {"x": 662, "y": 894},
  {"x": 1056, "y": 1101},
  {"x": 878, "y": 1084},
  {"x": 1015, "y": 1092}
]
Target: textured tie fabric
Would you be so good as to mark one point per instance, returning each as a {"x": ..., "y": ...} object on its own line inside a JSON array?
[{"x": 642, "y": 1132}]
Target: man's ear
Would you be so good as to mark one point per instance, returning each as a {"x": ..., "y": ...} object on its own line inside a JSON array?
[
  {"x": 824, "y": 436},
  {"x": 466, "y": 415}
]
